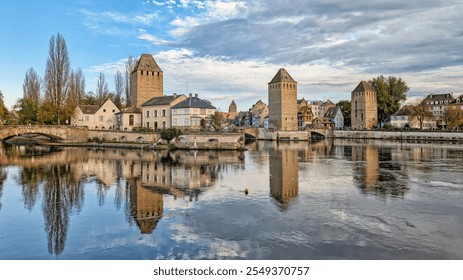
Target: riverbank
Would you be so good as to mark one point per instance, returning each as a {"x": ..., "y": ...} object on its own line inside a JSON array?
[{"x": 417, "y": 136}]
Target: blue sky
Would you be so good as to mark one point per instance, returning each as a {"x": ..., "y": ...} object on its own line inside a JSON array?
[{"x": 226, "y": 50}]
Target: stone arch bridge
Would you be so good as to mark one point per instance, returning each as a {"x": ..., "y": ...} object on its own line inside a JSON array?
[
  {"x": 264, "y": 134},
  {"x": 64, "y": 133}
]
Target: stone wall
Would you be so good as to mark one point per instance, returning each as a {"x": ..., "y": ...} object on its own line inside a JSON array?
[
  {"x": 231, "y": 141},
  {"x": 123, "y": 137},
  {"x": 399, "y": 135}
]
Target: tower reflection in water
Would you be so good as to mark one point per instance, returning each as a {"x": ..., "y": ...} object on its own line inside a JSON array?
[
  {"x": 138, "y": 180},
  {"x": 284, "y": 170}
]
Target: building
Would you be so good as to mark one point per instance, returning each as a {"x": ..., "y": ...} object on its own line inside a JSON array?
[
  {"x": 364, "y": 107},
  {"x": 283, "y": 167},
  {"x": 305, "y": 117},
  {"x": 157, "y": 112},
  {"x": 94, "y": 116},
  {"x": 128, "y": 119},
  {"x": 146, "y": 81},
  {"x": 438, "y": 104},
  {"x": 192, "y": 112},
  {"x": 336, "y": 116},
  {"x": 282, "y": 95},
  {"x": 232, "y": 110}
]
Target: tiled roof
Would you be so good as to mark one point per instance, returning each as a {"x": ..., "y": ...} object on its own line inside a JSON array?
[
  {"x": 161, "y": 100},
  {"x": 89, "y": 109},
  {"x": 130, "y": 110},
  {"x": 282, "y": 76},
  {"x": 147, "y": 63},
  {"x": 403, "y": 111},
  {"x": 193, "y": 102},
  {"x": 362, "y": 87},
  {"x": 438, "y": 97}
]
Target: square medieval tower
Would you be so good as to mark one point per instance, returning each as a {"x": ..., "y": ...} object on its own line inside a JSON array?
[
  {"x": 282, "y": 97},
  {"x": 146, "y": 81},
  {"x": 364, "y": 107}
]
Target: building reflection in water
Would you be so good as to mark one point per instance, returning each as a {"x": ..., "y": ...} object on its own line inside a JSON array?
[
  {"x": 375, "y": 171},
  {"x": 284, "y": 170},
  {"x": 140, "y": 180}
]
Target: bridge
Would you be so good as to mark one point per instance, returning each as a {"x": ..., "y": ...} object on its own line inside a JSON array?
[
  {"x": 306, "y": 135},
  {"x": 54, "y": 132},
  {"x": 65, "y": 133}
]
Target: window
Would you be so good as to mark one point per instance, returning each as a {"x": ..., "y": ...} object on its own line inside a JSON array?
[
  {"x": 174, "y": 122},
  {"x": 155, "y": 125},
  {"x": 104, "y": 110},
  {"x": 163, "y": 124},
  {"x": 203, "y": 111},
  {"x": 185, "y": 111},
  {"x": 87, "y": 118},
  {"x": 142, "y": 72},
  {"x": 163, "y": 113},
  {"x": 147, "y": 114},
  {"x": 174, "y": 112},
  {"x": 148, "y": 124},
  {"x": 101, "y": 118},
  {"x": 155, "y": 113},
  {"x": 185, "y": 121},
  {"x": 114, "y": 111},
  {"x": 130, "y": 119}
]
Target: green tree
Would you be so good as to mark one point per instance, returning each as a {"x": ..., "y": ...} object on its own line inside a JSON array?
[
  {"x": 28, "y": 110},
  {"x": 3, "y": 110},
  {"x": 345, "y": 107},
  {"x": 391, "y": 91},
  {"x": 420, "y": 112}
]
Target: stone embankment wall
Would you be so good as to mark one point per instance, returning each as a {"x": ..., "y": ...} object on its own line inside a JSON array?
[
  {"x": 399, "y": 135},
  {"x": 232, "y": 141},
  {"x": 282, "y": 135},
  {"x": 122, "y": 136}
]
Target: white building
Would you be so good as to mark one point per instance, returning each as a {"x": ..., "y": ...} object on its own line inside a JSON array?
[
  {"x": 128, "y": 119},
  {"x": 192, "y": 112},
  {"x": 157, "y": 113},
  {"x": 336, "y": 116},
  {"x": 94, "y": 116}
]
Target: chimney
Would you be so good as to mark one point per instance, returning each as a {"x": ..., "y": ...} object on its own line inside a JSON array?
[
  {"x": 175, "y": 95},
  {"x": 196, "y": 95}
]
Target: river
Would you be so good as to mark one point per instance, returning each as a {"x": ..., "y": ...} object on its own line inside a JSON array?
[{"x": 326, "y": 200}]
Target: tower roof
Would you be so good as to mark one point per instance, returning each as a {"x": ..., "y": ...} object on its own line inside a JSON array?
[
  {"x": 282, "y": 76},
  {"x": 147, "y": 63},
  {"x": 362, "y": 87},
  {"x": 233, "y": 103}
]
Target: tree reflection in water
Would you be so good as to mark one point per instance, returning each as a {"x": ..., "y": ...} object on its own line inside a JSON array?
[
  {"x": 62, "y": 195},
  {"x": 2, "y": 178}
]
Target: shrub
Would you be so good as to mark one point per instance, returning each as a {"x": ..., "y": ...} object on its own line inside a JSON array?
[{"x": 170, "y": 133}]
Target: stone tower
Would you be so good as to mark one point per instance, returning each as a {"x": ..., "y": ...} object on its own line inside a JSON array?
[
  {"x": 282, "y": 99},
  {"x": 364, "y": 107},
  {"x": 232, "y": 110},
  {"x": 146, "y": 81}
]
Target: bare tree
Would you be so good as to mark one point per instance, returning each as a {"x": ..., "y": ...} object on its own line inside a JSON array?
[
  {"x": 102, "y": 91},
  {"x": 129, "y": 67},
  {"x": 119, "y": 85},
  {"x": 32, "y": 85},
  {"x": 57, "y": 74},
  {"x": 76, "y": 93}
]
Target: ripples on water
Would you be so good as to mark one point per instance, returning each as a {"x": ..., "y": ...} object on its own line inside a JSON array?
[{"x": 341, "y": 200}]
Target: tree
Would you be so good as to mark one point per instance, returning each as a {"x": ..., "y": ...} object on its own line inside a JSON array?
[
  {"x": 129, "y": 67},
  {"x": 119, "y": 85},
  {"x": 3, "y": 110},
  {"x": 28, "y": 110},
  {"x": 90, "y": 99},
  {"x": 391, "y": 91},
  {"x": 452, "y": 118},
  {"x": 57, "y": 74},
  {"x": 76, "y": 89},
  {"x": 420, "y": 112},
  {"x": 32, "y": 85},
  {"x": 102, "y": 92},
  {"x": 345, "y": 107},
  {"x": 216, "y": 121}
]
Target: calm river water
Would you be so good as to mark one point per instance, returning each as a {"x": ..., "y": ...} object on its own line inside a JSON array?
[{"x": 326, "y": 200}]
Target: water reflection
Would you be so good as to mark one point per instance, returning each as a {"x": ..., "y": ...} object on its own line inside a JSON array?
[
  {"x": 376, "y": 172},
  {"x": 140, "y": 178},
  {"x": 284, "y": 172}
]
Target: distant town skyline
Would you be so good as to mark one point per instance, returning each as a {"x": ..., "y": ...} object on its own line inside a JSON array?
[{"x": 230, "y": 50}]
